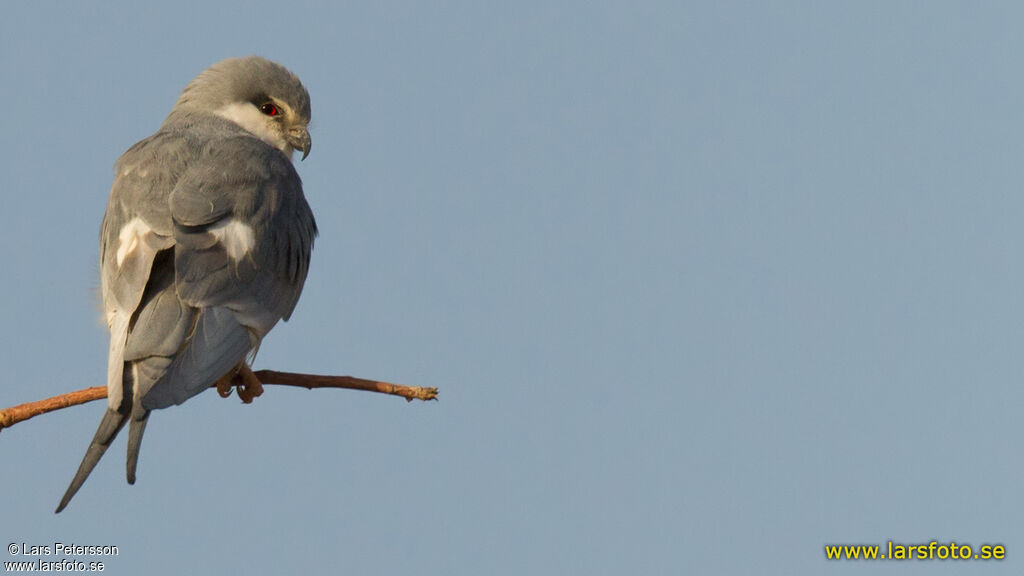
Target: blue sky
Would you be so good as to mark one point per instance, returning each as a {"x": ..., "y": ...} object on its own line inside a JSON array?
[{"x": 705, "y": 286}]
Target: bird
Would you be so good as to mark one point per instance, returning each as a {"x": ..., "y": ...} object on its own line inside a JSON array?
[{"x": 204, "y": 246}]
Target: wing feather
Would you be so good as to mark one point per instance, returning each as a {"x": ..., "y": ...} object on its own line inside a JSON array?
[
  {"x": 218, "y": 344},
  {"x": 242, "y": 185}
]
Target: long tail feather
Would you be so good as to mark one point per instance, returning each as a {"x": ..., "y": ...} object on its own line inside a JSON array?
[
  {"x": 135, "y": 431},
  {"x": 110, "y": 425}
]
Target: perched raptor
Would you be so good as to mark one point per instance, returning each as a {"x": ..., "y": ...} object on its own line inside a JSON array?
[{"x": 205, "y": 245}]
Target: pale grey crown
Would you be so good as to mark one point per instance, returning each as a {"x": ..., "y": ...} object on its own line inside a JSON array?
[{"x": 250, "y": 79}]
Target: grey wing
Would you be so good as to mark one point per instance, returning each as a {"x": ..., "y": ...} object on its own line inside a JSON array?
[
  {"x": 129, "y": 244},
  {"x": 129, "y": 247},
  {"x": 243, "y": 234}
]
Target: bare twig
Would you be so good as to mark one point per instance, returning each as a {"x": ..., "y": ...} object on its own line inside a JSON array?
[{"x": 11, "y": 416}]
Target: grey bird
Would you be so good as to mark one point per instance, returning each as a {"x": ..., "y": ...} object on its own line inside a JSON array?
[{"x": 205, "y": 245}]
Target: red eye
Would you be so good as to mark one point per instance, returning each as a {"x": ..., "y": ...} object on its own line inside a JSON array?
[{"x": 269, "y": 109}]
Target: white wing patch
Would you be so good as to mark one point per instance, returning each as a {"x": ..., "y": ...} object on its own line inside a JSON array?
[
  {"x": 115, "y": 358},
  {"x": 130, "y": 237},
  {"x": 235, "y": 236}
]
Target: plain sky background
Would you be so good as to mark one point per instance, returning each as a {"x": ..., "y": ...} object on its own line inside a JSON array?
[{"x": 704, "y": 287}]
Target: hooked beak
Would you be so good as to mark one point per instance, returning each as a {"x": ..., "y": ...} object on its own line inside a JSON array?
[{"x": 298, "y": 138}]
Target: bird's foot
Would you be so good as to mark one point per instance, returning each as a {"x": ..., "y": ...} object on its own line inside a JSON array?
[
  {"x": 248, "y": 385},
  {"x": 224, "y": 385},
  {"x": 243, "y": 380}
]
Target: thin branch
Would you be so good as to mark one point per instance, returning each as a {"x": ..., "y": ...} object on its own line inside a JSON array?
[{"x": 11, "y": 416}]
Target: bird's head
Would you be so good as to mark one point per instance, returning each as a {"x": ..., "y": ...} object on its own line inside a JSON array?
[{"x": 261, "y": 96}]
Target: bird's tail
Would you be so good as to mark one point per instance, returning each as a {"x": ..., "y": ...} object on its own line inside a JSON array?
[
  {"x": 111, "y": 424},
  {"x": 135, "y": 430}
]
